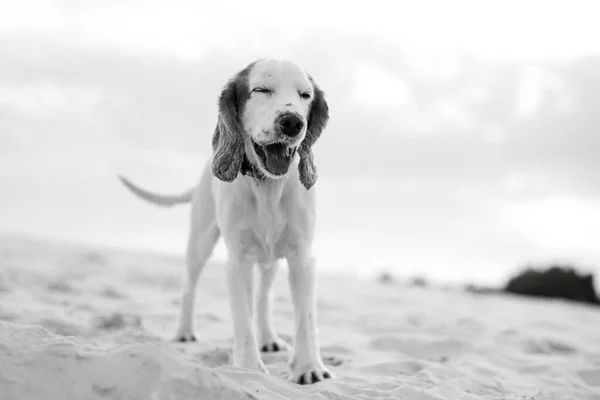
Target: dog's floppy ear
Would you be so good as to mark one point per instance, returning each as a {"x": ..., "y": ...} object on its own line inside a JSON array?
[
  {"x": 317, "y": 120},
  {"x": 228, "y": 139}
]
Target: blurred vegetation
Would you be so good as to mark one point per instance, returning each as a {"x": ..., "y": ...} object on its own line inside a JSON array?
[{"x": 554, "y": 281}]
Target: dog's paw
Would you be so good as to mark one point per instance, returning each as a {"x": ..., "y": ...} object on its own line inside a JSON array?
[
  {"x": 274, "y": 346},
  {"x": 308, "y": 372},
  {"x": 185, "y": 338},
  {"x": 311, "y": 376}
]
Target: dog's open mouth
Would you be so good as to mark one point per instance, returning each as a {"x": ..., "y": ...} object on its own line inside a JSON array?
[{"x": 276, "y": 157}]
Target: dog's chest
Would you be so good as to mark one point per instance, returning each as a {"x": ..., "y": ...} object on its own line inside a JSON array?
[{"x": 269, "y": 227}]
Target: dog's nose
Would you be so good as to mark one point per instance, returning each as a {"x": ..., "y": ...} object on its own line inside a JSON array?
[{"x": 290, "y": 124}]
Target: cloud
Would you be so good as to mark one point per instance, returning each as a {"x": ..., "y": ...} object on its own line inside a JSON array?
[{"x": 434, "y": 127}]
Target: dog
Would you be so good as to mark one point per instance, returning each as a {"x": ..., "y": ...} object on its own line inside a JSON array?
[{"x": 257, "y": 193}]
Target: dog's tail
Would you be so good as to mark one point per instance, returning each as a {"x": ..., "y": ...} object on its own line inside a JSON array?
[{"x": 158, "y": 199}]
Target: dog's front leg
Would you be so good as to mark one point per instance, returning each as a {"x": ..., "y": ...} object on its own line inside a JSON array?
[
  {"x": 306, "y": 364},
  {"x": 240, "y": 285},
  {"x": 268, "y": 340}
]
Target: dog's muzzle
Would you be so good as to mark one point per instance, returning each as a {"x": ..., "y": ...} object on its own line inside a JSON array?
[
  {"x": 275, "y": 157},
  {"x": 289, "y": 124}
]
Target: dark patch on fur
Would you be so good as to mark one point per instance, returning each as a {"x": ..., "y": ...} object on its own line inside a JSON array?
[
  {"x": 554, "y": 282},
  {"x": 317, "y": 121},
  {"x": 228, "y": 139}
]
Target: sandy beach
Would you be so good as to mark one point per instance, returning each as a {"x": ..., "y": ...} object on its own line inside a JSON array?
[
  {"x": 462, "y": 149},
  {"x": 90, "y": 323}
]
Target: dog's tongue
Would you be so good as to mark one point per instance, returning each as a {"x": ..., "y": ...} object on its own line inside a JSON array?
[{"x": 278, "y": 158}]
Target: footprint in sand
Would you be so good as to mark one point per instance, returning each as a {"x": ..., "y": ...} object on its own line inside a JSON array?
[
  {"x": 111, "y": 292},
  {"x": 215, "y": 357},
  {"x": 336, "y": 355},
  {"x": 334, "y": 361},
  {"x": 547, "y": 346},
  {"x": 60, "y": 287},
  {"x": 117, "y": 321}
]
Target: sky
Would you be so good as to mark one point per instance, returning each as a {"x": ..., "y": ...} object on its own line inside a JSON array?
[{"x": 462, "y": 143}]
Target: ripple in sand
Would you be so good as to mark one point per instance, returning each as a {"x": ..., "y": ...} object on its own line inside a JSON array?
[
  {"x": 435, "y": 350},
  {"x": 393, "y": 368},
  {"x": 6, "y": 315},
  {"x": 591, "y": 377},
  {"x": 117, "y": 321},
  {"x": 547, "y": 346},
  {"x": 60, "y": 327},
  {"x": 334, "y": 348},
  {"x": 112, "y": 293},
  {"x": 61, "y": 287},
  {"x": 215, "y": 357}
]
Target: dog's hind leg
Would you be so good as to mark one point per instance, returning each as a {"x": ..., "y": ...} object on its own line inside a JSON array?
[
  {"x": 200, "y": 246},
  {"x": 268, "y": 341},
  {"x": 204, "y": 233}
]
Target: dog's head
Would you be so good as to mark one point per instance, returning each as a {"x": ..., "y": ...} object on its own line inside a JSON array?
[{"x": 270, "y": 111}]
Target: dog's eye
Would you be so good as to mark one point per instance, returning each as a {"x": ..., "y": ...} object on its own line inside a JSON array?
[
  {"x": 305, "y": 96},
  {"x": 261, "y": 90}
]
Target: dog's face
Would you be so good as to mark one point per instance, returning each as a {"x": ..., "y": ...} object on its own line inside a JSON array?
[
  {"x": 270, "y": 111},
  {"x": 275, "y": 116}
]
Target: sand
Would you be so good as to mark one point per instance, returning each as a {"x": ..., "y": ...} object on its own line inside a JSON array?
[{"x": 82, "y": 323}]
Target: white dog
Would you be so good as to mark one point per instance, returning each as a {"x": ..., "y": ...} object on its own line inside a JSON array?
[{"x": 256, "y": 193}]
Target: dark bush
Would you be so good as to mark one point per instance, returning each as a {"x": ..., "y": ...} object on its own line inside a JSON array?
[{"x": 556, "y": 282}]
